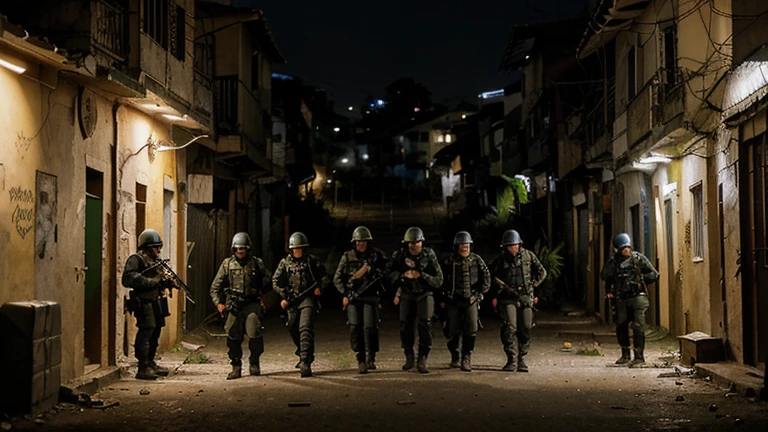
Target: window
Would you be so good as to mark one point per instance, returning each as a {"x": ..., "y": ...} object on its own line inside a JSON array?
[
  {"x": 155, "y": 22},
  {"x": 669, "y": 49},
  {"x": 631, "y": 73},
  {"x": 165, "y": 22},
  {"x": 178, "y": 31},
  {"x": 141, "y": 207},
  {"x": 697, "y": 223}
]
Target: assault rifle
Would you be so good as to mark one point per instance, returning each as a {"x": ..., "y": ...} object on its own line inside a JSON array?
[
  {"x": 171, "y": 276},
  {"x": 295, "y": 300},
  {"x": 354, "y": 294}
]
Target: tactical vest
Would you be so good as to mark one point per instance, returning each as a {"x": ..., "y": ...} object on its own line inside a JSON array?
[
  {"x": 415, "y": 287},
  {"x": 628, "y": 278},
  {"x": 463, "y": 275},
  {"x": 522, "y": 263},
  {"x": 244, "y": 281},
  {"x": 299, "y": 274}
]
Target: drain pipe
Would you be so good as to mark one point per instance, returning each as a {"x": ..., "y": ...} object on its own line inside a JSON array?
[{"x": 113, "y": 286}]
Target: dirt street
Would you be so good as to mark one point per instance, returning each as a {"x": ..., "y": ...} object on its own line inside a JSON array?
[{"x": 562, "y": 391}]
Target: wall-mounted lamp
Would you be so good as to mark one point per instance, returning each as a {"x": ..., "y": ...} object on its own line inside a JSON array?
[
  {"x": 12, "y": 67},
  {"x": 655, "y": 159},
  {"x": 174, "y": 117},
  {"x": 162, "y": 148}
]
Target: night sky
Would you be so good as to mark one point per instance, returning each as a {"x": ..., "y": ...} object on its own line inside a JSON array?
[{"x": 355, "y": 48}]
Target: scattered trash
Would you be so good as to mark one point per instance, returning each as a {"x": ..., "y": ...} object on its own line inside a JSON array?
[
  {"x": 594, "y": 350},
  {"x": 196, "y": 358},
  {"x": 708, "y": 379},
  {"x": 713, "y": 408},
  {"x": 680, "y": 398},
  {"x": 668, "y": 375},
  {"x": 406, "y": 402},
  {"x": 684, "y": 370},
  {"x": 5, "y": 426},
  {"x": 739, "y": 422},
  {"x": 617, "y": 407},
  {"x": 299, "y": 404},
  {"x": 192, "y": 347},
  {"x": 567, "y": 345},
  {"x": 731, "y": 394},
  {"x": 678, "y": 382},
  {"x": 144, "y": 392}
]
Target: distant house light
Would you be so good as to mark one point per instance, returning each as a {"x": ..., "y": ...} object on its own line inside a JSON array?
[
  {"x": 527, "y": 56},
  {"x": 441, "y": 138},
  {"x": 416, "y": 109},
  {"x": 336, "y": 129},
  {"x": 365, "y": 156},
  {"x": 283, "y": 77},
  {"x": 448, "y": 138},
  {"x": 379, "y": 102},
  {"x": 373, "y": 105},
  {"x": 329, "y": 181},
  {"x": 463, "y": 116},
  {"x": 351, "y": 108},
  {"x": 492, "y": 94},
  {"x": 345, "y": 160}
]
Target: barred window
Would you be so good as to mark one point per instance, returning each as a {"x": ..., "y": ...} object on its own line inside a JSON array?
[{"x": 155, "y": 21}]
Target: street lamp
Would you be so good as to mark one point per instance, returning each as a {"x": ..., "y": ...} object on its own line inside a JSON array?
[{"x": 345, "y": 160}]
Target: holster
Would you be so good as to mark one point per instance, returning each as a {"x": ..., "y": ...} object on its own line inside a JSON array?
[
  {"x": 164, "y": 306},
  {"x": 132, "y": 303}
]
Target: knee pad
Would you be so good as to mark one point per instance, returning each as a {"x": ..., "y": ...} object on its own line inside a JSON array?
[{"x": 253, "y": 326}]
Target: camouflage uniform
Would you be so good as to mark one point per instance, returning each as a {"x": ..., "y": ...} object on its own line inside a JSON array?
[
  {"x": 416, "y": 297},
  {"x": 465, "y": 278},
  {"x": 239, "y": 284},
  {"x": 146, "y": 294},
  {"x": 522, "y": 272},
  {"x": 292, "y": 277},
  {"x": 362, "y": 312},
  {"x": 626, "y": 278}
]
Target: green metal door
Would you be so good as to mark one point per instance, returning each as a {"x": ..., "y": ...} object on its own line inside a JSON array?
[{"x": 93, "y": 226}]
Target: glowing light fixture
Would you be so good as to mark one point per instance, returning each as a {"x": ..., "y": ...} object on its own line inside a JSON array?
[
  {"x": 655, "y": 159},
  {"x": 350, "y": 108},
  {"x": 365, "y": 156},
  {"x": 12, "y": 67},
  {"x": 345, "y": 160},
  {"x": 174, "y": 117},
  {"x": 336, "y": 129}
]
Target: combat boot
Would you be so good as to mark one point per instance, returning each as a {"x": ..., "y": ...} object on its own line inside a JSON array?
[
  {"x": 362, "y": 368},
  {"x": 146, "y": 373},
  {"x": 624, "y": 359},
  {"x": 422, "y": 364},
  {"x": 408, "y": 365},
  {"x": 510, "y": 366},
  {"x": 639, "y": 360},
  {"x": 159, "y": 370},
  {"x": 306, "y": 370},
  {"x": 521, "y": 366},
  {"x": 466, "y": 363},
  {"x": 255, "y": 369},
  {"x": 454, "y": 360},
  {"x": 371, "y": 361},
  {"x": 237, "y": 372}
]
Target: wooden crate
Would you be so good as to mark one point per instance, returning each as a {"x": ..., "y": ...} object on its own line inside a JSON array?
[{"x": 698, "y": 347}]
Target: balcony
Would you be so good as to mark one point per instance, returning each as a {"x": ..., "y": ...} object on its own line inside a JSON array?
[
  {"x": 109, "y": 24},
  {"x": 640, "y": 117},
  {"x": 240, "y": 125}
]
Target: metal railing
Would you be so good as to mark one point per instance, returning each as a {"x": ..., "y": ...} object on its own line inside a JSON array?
[
  {"x": 226, "y": 103},
  {"x": 110, "y": 28}
]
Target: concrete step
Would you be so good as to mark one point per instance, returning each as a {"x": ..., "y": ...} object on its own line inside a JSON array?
[{"x": 733, "y": 377}]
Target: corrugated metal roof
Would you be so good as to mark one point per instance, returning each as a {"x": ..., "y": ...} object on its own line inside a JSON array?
[{"x": 747, "y": 84}]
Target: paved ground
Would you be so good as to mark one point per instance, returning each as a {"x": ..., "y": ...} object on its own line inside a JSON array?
[{"x": 564, "y": 390}]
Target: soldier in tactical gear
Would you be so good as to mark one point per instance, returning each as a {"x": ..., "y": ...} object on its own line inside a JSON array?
[
  {"x": 520, "y": 273},
  {"x": 237, "y": 288},
  {"x": 626, "y": 275},
  {"x": 147, "y": 287},
  {"x": 415, "y": 271},
  {"x": 296, "y": 273},
  {"x": 466, "y": 279},
  {"x": 357, "y": 277}
]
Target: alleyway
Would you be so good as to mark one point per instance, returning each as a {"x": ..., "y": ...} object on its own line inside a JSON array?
[{"x": 565, "y": 390}]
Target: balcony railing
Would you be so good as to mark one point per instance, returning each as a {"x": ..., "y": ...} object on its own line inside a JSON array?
[{"x": 110, "y": 29}]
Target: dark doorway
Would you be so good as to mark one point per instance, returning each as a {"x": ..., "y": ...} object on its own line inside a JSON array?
[{"x": 93, "y": 260}]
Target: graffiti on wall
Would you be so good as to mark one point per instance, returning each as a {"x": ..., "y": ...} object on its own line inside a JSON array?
[
  {"x": 45, "y": 222},
  {"x": 22, "y": 215}
]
